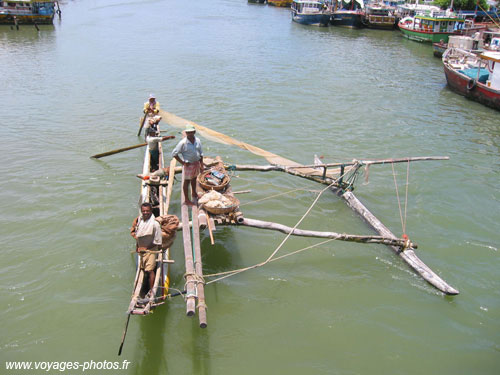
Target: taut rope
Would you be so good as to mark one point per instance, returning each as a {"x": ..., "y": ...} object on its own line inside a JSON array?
[{"x": 270, "y": 258}]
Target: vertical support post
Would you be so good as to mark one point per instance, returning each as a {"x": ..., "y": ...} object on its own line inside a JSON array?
[
  {"x": 58, "y": 11},
  {"x": 342, "y": 168}
]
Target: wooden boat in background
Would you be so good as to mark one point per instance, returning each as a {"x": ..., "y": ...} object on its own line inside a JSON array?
[
  {"x": 431, "y": 27},
  {"x": 379, "y": 16},
  {"x": 477, "y": 77},
  {"x": 313, "y": 13},
  {"x": 14, "y": 12},
  {"x": 348, "y": 13}
]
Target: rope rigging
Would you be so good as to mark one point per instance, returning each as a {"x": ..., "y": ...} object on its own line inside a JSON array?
[{"x": 401, "y": 216}]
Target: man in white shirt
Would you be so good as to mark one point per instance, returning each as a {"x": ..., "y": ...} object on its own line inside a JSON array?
[
  {"x": 189, "y": 148},
  {"x": 147, "y": 232},
  {"x": 152, "y": 139}
]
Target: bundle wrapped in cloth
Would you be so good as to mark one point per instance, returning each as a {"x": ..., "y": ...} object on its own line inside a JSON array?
[
  {"x": 169, "y": 224},
  {"x": 215, "y": 202}
]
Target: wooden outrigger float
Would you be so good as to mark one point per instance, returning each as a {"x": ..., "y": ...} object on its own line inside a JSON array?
[{"x": 339, "y": 178}]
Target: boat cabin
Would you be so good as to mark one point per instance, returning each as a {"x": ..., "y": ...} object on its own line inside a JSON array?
[
  {"x": 308, "y": 7},
  {"x": 438, "y": 23},
  {"x": 493, "y": 60},
  {"x": 27, "y": 7}
]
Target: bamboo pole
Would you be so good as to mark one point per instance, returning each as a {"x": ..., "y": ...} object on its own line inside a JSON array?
[
  {"x": 198, "y": 267},
  {"x": 210, "y": 228},
  {"x": 171, "y": 175},
  {"x": 375, "y": 161},
  {"x": 188, "y": 255},
  {"x": 162, "y": 189},
  {"x": 386, "y": 240},
  {"x": 142, "y": 124},
  {"x": 112, "y": 152},
  {"x": 97, "y": 156},
  {"x": 317, "y": 175}
]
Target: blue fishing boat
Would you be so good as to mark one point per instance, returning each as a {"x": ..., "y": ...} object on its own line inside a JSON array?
[{"x": 315, "y": 13}]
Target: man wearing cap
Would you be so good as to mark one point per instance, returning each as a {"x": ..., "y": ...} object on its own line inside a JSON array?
[
  {"x": 151, "y": 107},
  {"x": 189, "y": 148}
]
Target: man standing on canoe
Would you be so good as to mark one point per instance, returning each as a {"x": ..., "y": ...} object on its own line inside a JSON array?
[
  {"x": 147, "y": 232},
  {"x": 151, "y": 123},
  {"x": 192, "y": 161},
  {"x": 152, "y": 138}
]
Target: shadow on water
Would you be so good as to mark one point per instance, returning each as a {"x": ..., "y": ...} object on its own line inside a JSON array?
[
  {"x": 151, "y": 347},
  {"x": 217, "y": 257},
  {"x": 201, "y": 350}
]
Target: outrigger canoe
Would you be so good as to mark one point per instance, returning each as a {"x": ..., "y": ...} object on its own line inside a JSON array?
[{"x": 157, "y": 196}]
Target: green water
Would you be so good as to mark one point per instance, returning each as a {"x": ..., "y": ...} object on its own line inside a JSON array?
[{"x": 66, "y": 274}]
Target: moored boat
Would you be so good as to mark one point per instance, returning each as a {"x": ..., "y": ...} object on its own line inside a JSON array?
[
  {"x": 439, "y": 48},
  {"x": 27, "y": 12},
  {"x": 379, "y": 16},
  {"x": 314, "y": 13},
  {"x": 454, "y": 41},
  {"x": 477, "y": 77},
  {"x": 431, "y": 26},
  {"x": 348, "y": 14}
]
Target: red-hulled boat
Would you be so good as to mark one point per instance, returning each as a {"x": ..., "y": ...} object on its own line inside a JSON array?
[{"x": 477, "y": 77}]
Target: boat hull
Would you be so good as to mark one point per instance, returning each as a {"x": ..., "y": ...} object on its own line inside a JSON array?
[
  {"x": 311, "y": 19},
  {"x": 380, "y": 22},
  {"x": 477, "y": 91},
  {"x": 347, "y": 19},
  {"x": 25, "y": 19},
  {"x": 439, "y": 49},
  {"x": 424, "y": 36},
  {"x": 279, "y": 3}
]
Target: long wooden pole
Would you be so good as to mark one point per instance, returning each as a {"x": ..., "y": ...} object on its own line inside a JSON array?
[
  {"x": 188, "y": 256},
  {"x": 112, "y": 152},
  {"x": 142, "y": 124},
  {"x": 386, "y": 240},
  {"x": 200, "y": 287},
  {"x": 375, "y": 161},
  {"x": 171, "y": 175}
]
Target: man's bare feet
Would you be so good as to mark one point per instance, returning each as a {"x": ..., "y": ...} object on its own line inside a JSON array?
[{"x": 189, "y": 203}]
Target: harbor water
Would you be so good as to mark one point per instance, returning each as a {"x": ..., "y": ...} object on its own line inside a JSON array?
[{"x": 77, "y": 88}]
